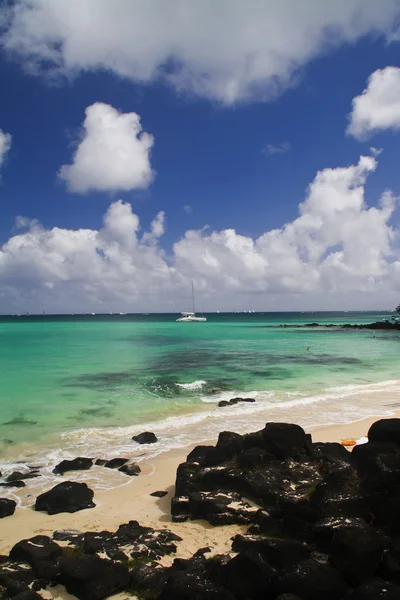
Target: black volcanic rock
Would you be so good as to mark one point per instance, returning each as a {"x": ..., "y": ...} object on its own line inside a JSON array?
[
  {"x": 10, "y": 484},
  {"x": 65, "y": 497},
  {"x": 76, "y": 464},
  {"x": 7, "y": 507},
  {"x": 116, "y": 463},
  {"x": 131, "y": 469},
  {"x": 91, "y": 577},
  {"x": 18, "y": 476},
  {"x": 41, "y": 553},
  {"x": 159, "y": 494},
  {"x": 358, "y": 552},
  {"x": 15, "y": 571},
  {"x": 386, "y": 431},
  {"x": 147, "y": 437},
  {"x": 311, "y": 580}
]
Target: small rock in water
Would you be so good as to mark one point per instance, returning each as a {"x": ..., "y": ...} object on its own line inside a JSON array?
[
  {"x": 234, "y": 401},
  {"x": 7, "y": 507},
  {"x": 77, "y": 464},
  {"x": 116, "y": 463},
  {"x": 131, "y": 469},
  {"x": 17, "y": 476},
  {"x": 68, "y": 496},
  {"x": 147, "y": 437},
  {"x": 10, "y": 484},
  {"x": 100, "y": 462},
  {"x": 159, "y": 494}
]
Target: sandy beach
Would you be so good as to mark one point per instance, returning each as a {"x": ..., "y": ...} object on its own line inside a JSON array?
[{"x": 134, "y": 502}]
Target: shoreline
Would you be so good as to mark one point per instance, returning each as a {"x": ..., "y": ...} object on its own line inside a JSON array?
[{"x": 133, "y": 501}]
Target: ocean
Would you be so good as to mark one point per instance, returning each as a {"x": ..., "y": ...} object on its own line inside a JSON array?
[{"x": 83, "y": 385}]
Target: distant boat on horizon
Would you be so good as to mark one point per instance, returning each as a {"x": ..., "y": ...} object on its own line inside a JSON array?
[{"x": 190, "y": 317}]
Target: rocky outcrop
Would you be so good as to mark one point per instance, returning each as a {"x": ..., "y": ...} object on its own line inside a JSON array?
[
  {"x": 7, "y": 507},
  {"x": 323, "y": 524},
  {"x": 147, "y": 437},
  {"x": 65, "y": 497}
]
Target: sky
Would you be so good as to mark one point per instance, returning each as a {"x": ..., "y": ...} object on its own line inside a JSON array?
[{"x": 252, "y": 148}]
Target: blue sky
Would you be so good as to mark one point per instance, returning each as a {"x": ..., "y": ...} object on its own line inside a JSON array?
[{"x": 209, "y": 154}]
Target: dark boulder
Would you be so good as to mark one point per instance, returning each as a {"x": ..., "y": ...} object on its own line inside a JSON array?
[
  {"x": 10, "y": 484},
  {"x": 116, "y": 463},
  {"x": 254, "y": 440},
  {"x": 324, "y": 530},
  {"x": 207, "y": 456},
  {"x": 72, "y": 536},
  {"x": 7, "y": 507},
  {"x": 65, "y": 497},
  {"x": 147, "y": 437},
  {"x": 284, "y": 440},
  {"x": 76, "y": 464},
  {"x": 28, "y": 595},
  {"x": 15, "y": 571},
  {"x": 247, "y": 576},
  {"x": 159, "y": 494},
  {"x": 329, "y": 451},
  {"x": 234, "y": 401},
  {"x": 386, "y": 431},
  {"x": 180, "y": 509},
  {"x": 41, "y": 553},
  {"x": 148, "y": 580},
  {"x": 184, "y": 585},
  {"x": 92, "y": 578},
  {"x": 253, "y": 457},
  {"x": 18, "y": 476},
  {"x": 131, "y": 469},
  {"x": 230, "y": 443},
  {"x": 311, "y": 580},
  {"x": 100, "y": 462},
  {"x": 376, "y": 589},
  {"x": 131, "y": 540},
  {"x": 277, "y": 552},
  {"x": 357, "y": 552},
  {"x": 14, "y": 588}
]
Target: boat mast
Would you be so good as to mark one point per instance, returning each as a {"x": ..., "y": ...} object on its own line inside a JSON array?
[{"x": 194, "y": 311}]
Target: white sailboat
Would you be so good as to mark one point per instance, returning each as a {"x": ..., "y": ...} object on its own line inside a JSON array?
[{"x": 190, "y": 317}]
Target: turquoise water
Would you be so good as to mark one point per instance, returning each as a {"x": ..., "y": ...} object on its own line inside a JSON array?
[{"x": 70, "y": 385}]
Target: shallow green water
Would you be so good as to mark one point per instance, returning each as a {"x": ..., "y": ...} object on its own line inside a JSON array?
[{"x": 63, "y": 374}]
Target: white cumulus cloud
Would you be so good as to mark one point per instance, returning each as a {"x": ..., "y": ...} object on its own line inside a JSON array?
[
  {"x": 113, "y": 153},
  {"x": 5, "y": 145},
  {"x": 227, "y": 51},
  {"x": 338, "y": 253},
  {"x": 378, "y": 107}
]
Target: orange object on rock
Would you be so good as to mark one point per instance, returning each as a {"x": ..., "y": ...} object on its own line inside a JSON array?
[{"x": 348, "y": 442}]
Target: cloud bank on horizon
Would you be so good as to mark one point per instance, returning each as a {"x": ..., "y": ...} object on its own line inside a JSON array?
[
  {"x": 244, "y": 51},
  {"x": 336, "y": 243}
]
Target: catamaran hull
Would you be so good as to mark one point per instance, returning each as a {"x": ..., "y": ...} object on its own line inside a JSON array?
[{"x": 191, "y": 320}]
